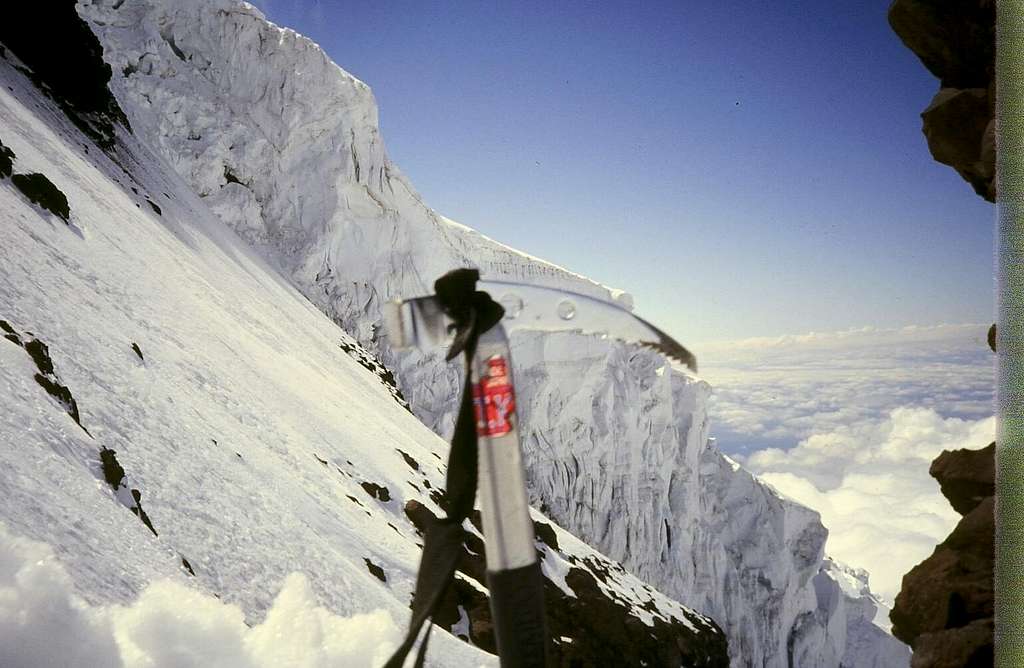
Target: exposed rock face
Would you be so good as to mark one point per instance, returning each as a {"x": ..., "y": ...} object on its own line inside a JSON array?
[
  {"x": 945, "y": 608},
  {"x": 963, "y": 647},
  {"x": 38, "y": 34},
  {"x": 966, "y": 477},
  {"x": 956, "y": 42}
]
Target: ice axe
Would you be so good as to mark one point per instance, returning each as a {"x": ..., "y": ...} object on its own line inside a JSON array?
[{"x": 485, "y": 445}]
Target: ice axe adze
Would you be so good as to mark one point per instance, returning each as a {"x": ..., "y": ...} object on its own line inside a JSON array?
[{"x": 485, "y": 445}]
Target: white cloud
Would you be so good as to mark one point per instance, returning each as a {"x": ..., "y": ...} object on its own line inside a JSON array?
[
  {"x": 871, "y": 485},
  {"x": 776, "y": 392},
  {"x": 42, "y": 623},
  {"x": 848, "y": 424}
]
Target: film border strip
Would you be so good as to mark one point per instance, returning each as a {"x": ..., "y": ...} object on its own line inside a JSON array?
[{"x": 1009, "y": 567}]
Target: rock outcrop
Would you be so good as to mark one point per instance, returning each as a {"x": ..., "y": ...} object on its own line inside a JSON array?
[
  {"x": 966, "y": 477},
  {"x": 956, "y": 42},
  {"x": 77, "y": 84},
  {"x": 945, "y": 608}
]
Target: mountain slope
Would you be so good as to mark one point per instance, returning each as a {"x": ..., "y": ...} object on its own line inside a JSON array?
[
  {"x": 284, "y": 146},
  {"x": 175, "y": 413}
]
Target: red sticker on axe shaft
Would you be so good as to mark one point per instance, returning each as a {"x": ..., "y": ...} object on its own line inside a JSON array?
[{"x": 494, "y": 399}]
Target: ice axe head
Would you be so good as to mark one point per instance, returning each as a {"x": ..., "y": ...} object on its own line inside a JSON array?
[{"x": 446, "y": 318}]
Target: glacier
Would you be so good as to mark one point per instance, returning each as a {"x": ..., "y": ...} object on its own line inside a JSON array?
[{"x": 284, "y": 147}]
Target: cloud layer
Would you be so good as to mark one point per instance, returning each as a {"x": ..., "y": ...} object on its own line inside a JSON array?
[
  {"x": 871, "y": 485},
  {"x": 848, "y": 423},
  {"x": 777, "y": 392}
]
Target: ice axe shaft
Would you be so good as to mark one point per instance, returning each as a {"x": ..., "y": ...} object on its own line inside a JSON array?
[
  {"x": 485, "y": 457},
  {"x": 513, "y": 570}
]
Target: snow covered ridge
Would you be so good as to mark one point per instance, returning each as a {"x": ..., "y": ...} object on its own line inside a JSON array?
[
  {"x": 284, "y": 146},
  {"x": 181, "y": 425}
]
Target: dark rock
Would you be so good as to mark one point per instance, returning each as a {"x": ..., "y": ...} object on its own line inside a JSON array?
[
  {"x": 229, "y": 176},
  {"x": 955, "y": 125},
  {"x": 955, "y": 39},
  {"x": 138, "y": 351},
  {"x": 415, "y": 465},
  {"x": 40, "y": 190},
  {"x": 375, "y": 570},
  {"x": 370, "y": 362},
  {"x": 40, "y": 354},
  {"x": 48, "y": 380},
  {"x": 378, "y": 492},
  {"x": 113, "y": 472},
  {"x": 969, "y": 646},
  {"x": 10, "y": 334},
  {"x": 156, "y": 209},
  {"x": 6, "y": 161},
  {"x": 66, "y": 61},
  {"x": 601, "y": 628},
  {"x": 546, "y": 534},
  {"x": 419, "y": 515},
  {"x": 440, "y": 498},
  {"x": 954, "y": 586},
  {"x": 140, "y": 513},
  {"x": 966, "y": 477},
  {"x": 944, "y": 610},
  {"x": 114, "y": 475},
  {"x": 187, "y": 566}
]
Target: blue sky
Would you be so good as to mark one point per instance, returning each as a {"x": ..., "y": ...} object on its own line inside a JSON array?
[{"x": 743, "y": 168}]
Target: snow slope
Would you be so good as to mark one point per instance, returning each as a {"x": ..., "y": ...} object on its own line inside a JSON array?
[
  {"x": 154, "y": 368},
  {"x": 284, "y": 146}
]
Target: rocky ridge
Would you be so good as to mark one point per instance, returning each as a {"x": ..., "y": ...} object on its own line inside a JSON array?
[{"x": 946, "y": 605}]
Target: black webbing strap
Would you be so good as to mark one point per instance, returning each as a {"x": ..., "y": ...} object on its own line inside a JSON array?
[{"x": 473, "y": 313}]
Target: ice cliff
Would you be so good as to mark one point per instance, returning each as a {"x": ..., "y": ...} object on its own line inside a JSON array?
[{"x": 284, "y": 147}]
